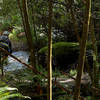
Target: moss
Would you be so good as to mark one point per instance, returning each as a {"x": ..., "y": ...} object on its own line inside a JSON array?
[
  {"x": 61, "y": 46},
  {"x": 64, "y": 47},
  {"x": 64, "y": 54}
]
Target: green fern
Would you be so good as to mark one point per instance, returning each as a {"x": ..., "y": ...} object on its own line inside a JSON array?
[{"x": 9, "y": 92}]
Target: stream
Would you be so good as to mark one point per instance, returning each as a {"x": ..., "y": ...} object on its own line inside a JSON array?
[{"x": 14, "y": 64}]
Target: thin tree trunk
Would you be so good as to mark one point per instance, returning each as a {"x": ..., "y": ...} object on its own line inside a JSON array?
[
  {"x": 28, "y": 32},
  {"x": 95, "y": 81},
  {"x": 82, "y": 50},
  {"x": 95, "y": 67},
  {"x": 49, "y": 90},
  {"x": 33, "y": 18},
  {"x": 21, "y": 12},
  {"x": 34, "y": 30},
  {"x": 1, "y": 64}
]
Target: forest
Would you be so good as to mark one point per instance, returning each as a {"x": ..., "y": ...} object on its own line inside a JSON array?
[{"x": 49, "y": 50}]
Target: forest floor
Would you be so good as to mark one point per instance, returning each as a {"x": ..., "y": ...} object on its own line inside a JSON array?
[{"x": 35, "y": 85}]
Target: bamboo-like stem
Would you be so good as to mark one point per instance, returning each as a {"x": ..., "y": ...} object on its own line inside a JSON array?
[{"x": 49, "y": 88}]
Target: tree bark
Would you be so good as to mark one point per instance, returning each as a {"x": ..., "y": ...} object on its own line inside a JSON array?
[
  {"x": 28, "y": 32},
  {"x": 82, "y": 50},
  {"x": 34, "y": 30},
  {"x": 1, "y": 64},
  {"x": 95, "y": 81},
  {"x": 49, "y": 90}
]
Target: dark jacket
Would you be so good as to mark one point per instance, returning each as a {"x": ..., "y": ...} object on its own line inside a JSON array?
[{"x": 5, "y": 43}]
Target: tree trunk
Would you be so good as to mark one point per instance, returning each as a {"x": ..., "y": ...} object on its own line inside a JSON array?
[
  {"x": 28, "y": 32},
  {"x": 34, "y": 30},
  {"x": 82, "y": 50},
  {"x": 1, "y": 64},
  {"x": 49, "y": 92},
  {"x": 95, "y": 81}
]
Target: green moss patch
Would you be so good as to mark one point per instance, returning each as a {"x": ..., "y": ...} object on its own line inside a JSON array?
[
  {"x": 61, "y": 47},
  {"x": 64, "y": 54}
]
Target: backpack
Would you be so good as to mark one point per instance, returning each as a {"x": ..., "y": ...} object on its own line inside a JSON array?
[{"x": 4, "y": 43}]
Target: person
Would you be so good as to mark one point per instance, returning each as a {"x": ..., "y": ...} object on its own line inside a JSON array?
[{"x": 5, "y": 43}]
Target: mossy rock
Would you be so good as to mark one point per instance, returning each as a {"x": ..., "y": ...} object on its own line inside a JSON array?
[
  {"x": 64, "y": 54},
  {"x": 61, "y": 48}
]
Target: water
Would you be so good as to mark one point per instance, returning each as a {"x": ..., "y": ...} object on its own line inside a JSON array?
[{"x": 14, "y": 64}]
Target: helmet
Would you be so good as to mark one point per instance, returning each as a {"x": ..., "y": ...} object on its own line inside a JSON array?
[
  {"x": 3, "y": 38},
  {"x": 6, "y": 33}
]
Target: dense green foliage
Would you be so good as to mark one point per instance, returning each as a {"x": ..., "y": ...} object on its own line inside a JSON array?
[
  {"x": 65, "y": 44},
  {"x": 7, "y": 92},
  {"x": 63, "y": 25}
]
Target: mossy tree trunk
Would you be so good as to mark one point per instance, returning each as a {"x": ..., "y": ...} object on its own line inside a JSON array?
[
  {"x": 28, "y": 32},
  {"x": 34, "y": 29},
  {"x": 95, "y": 81},
  {"x": 49, "y": 90},
  {"x": 82, "y": 50}
]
